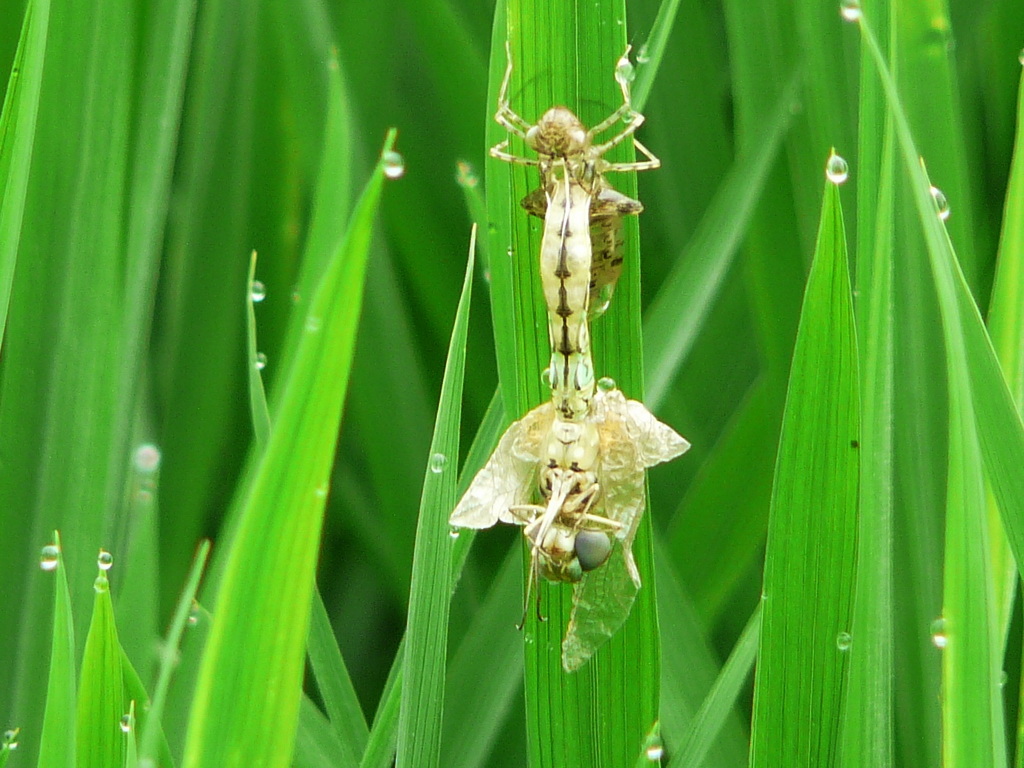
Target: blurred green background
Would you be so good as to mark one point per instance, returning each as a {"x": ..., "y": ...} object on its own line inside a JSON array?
[{"x": 168, "y": 147}]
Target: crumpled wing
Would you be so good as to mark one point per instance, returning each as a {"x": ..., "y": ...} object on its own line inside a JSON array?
[
  {"x": 601, "y": 604},
  {"x": 632, "y": 440},
  {"x": 510, "y": 475}
]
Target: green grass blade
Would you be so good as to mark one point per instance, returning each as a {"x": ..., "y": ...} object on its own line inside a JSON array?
[
  {"x": 316, "y": 741},
  {"x": 869, "y": 728},
  {"x": 149, "y": 732},
  {"x": 255, "y": 363},
  {"x": 8, "y": 744},
  {"x": 696, "y": 280},
  {"x": 809, "y": 562},
  {"x": 689, "y": 670},
  {"x": 57, "y": 740},
  {"x": 972, "y": 717},
  {"x": 246, "y": 707},
  {"x": 101, "y": 701},
  {"x": 334, "y": 683},
  {"x": 380, "y": 748},
  {"x": 135, "y": 693},
  {"x": 652, "y": 52},
  {"x": 651, "y": 750},
  {"x": 17, "y": 136},
  {"x": 1006, "y": 329},
  {"x": 709, "y": 720},
  {"x": 426, "y": 638},
  {"x": 485, "y": 673},
  {"x": 131, "y": 752}
]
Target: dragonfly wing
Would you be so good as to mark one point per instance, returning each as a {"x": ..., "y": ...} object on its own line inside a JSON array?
[
  {"x": 601, "y": 603},
  {"x": 655, "y": 442},
  {"x": 508, "y": 477}
]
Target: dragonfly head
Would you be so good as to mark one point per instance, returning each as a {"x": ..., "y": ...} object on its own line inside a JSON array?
[
  {"x": 558, "y": 133},
  {"x": 592, "y": 549}
]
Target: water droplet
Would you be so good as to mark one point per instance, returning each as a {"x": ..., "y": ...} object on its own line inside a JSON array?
[
  {"x": 941, "y": 203},
  {"x": 101, "y": 584},
  {"x": 394, "y": 164},
  {"x": 10, "y": 739},
  {"x": 1020, "y": 57},
  {"x": 193, "y": 613},
  {"x": 939, "y": 637},
  {"x": 850, "y": 10},
  {"x": 437, "y": 462},
  {"x": 322, "y": 490},
  {"x": 836, "y": 169},
  {"x": 126, "y": 723},
  {"x": 261, "y": 361},
  {"x": 625, "y": 72},
  {"x": 643, "y": 55},
  {"x": 258, "y": 291},
  {"x": 1003, "y": 678},
  {"x": 454, "y": 533},
  {"x": 510, "y": 253},
  {"x": 843, "y": 641},
  {"x": 147, "y": 458},
  {"x": 466, "y": 176},
  {"x": 104, "y": 560},
  {"x": 655, "y": 752},
  {"x": 606, "y": 383},
  {"x": 49, "y": 557},
  {"x": 313, "y": 324}
]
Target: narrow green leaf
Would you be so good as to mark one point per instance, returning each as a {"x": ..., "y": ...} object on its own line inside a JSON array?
[
  {"x": 426, "y": 639},
  {"x": 257, "y": 395},
  {"x": 17, "y": 136},
  {"x": 335, "y": 686},
  {"x": 135, "y": 693},
  {"x": 57, "y": 741},
  {"x": 676, "y": 316},
  {"x": 101, "y": 702},
  {"x": 651, "y": 750},
  {"x": 868, "y": 730},
  {"x": 316, "y": 741},
  {"x": 380, "y": 748},
  {"x": 721, "y": 699},
  {"x": 983, "y": 425},
  {"x": 150, "y": 730},
  {"x": 245, "y": 709},
  {"x": 809, "y": 562},
  {"x": 485, "y": 673},
  {"x": 131, "y": 753},
  {"x": 1006, "y": 329},
  {"x": 8, "y": 744}
]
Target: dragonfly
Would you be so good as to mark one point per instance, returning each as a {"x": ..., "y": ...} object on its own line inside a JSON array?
[
  {"x": 565, "y": 147},
  {"x": 582, "y": 531},
  {"x": 571, "y": 471}
]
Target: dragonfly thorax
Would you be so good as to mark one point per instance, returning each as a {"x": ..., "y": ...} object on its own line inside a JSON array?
[{"x": 572, "y": 445}]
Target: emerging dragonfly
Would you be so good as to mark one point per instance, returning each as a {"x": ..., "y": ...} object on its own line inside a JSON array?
[
  {"x": 584, "y": 453},
  {"x": 565, "y": 148},
  {"x": 589, "y": 505}
]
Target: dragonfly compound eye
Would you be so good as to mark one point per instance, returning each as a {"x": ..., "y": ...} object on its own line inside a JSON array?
[{"x": 592, "y": 549}]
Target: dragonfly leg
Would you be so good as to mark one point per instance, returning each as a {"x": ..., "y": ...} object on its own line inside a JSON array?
[
  {"x": 505, "y": 116},
  {"x": 498, "y": 151},
  {"x": 649, "y": 164}
]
